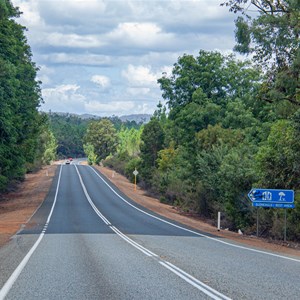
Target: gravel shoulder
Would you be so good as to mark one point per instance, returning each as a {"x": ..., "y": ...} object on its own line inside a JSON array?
[{"x": 17, "y": 207}]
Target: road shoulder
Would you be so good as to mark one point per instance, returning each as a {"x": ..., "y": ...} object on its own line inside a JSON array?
[{"x": 139, "y": 196}]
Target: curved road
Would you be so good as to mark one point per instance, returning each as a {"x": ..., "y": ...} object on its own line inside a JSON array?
[{"x": 89, "y": 241}]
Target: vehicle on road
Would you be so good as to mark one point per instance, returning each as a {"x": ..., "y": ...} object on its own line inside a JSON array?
[{"x": 68, "y": 162}]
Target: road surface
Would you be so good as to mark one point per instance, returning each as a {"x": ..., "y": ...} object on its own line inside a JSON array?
[{"x": 89, "y": 241}]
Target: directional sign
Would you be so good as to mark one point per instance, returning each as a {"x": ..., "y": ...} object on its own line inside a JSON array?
[{"x": 272, "y": 198}]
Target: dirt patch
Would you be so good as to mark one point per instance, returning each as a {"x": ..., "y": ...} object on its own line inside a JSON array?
[
  {"x": 140, "y": 197},
  {"x": 17, "y": 207}
]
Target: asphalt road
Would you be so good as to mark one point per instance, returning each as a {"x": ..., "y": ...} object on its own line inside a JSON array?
[{"x": 89, "y": 241}]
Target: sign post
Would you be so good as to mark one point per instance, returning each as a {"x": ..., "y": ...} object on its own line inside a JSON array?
[
  {"x": 274, "y": 199},
  {"x": 135, "y": 173}
]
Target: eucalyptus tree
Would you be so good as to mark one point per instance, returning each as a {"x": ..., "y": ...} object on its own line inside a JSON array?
[
  {"x": 270, "y": 31},
  {"x": 102, "y": 135},
  {"x": 20, "y": 97}
]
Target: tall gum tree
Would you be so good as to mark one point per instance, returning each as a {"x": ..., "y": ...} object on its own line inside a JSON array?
[{"x": 269, "y": 30}]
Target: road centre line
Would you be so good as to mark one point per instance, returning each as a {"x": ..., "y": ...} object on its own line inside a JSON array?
[
  {"x": 14, "y": 276},
  {"x": 90, "y": 200},
  {"x": 195, "y": 282},
  {"x": 192, "y": 231},
  {"x": 133, "y": 243},
  {"x": 187, "y": 277}
]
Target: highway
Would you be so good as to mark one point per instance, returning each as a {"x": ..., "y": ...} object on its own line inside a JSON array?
[{"x": 89, "y": 241}]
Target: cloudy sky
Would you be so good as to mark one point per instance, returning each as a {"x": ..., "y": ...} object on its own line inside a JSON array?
[{"x": 104, "y": 57}]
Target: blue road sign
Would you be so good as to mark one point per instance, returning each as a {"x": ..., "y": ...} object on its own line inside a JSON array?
[{"x": 272, "y": 198}]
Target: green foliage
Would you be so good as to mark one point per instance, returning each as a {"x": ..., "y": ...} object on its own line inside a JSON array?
[
  {"x": 103, "y": 137},
  {"x": 278, "y": 159},
  {"x": 129, "y": 140},
  {"x": 130, "y": 166},
  {"x": 21, "y": 125},
  {"x": 90, "y": 153},
  {"x": 69, "y": 131},
  {"x": 152, "y": 142},
  {"x": 210, "y": 75},
  {"x": 217, "y": 141},
  {"x": 273, "y": 37}
]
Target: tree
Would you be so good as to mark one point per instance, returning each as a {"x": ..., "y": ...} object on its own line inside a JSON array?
[
  {"x": 91, "y": 156},
  {"x": 69, "y": 131},
  {"x": 273, "y": 37},
  {"x": 278, "y": 159},
  {"x": 103, "y": 137},
  {"x": 152, "y": 142},
  {"x": 129, "y": 141},
  {"x": 209, "y": 76},
  {"x": 20, "y": 122}
]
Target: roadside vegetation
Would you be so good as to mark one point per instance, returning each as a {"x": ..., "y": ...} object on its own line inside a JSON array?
[
  {"x": 26, "y": 142},
  {"x": 227, "y": 126}
]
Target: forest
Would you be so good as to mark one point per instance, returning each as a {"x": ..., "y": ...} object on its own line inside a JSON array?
[{"x": 26, "y": 139}]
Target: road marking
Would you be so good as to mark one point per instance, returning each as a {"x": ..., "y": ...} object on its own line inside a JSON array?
[
  {"x": 214, "y": 294},
  {"x": 209, "y": 291},
  {"x": 90, "y": 200},
  {"x": 133, "y": 243},
  {"x": 14, "y": 276},
  {"x": 192, "y": 231}
]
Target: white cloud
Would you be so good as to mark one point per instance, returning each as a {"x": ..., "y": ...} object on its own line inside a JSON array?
[
  {"x": 113, "y": 107},
  {"x": 135, "y": 91},
  {"x": 77, "y": 59},
  {"x": 31, "y": 15},
  {"x": 141, "y": 34},
  {"x": 44, "y": 74},
  {"x": 101, "y": 80},
  {"x": 73, "y": 40},
  {"x": 139, "y": 75},
  {"x": 132, "y": 42},
  {"x": 65, "y": 98}
]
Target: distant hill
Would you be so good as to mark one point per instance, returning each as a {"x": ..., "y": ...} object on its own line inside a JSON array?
[{"x": 138, "y": 118}]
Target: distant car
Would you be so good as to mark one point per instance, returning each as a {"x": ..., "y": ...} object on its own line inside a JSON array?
[{"x": 68, "y": 162}]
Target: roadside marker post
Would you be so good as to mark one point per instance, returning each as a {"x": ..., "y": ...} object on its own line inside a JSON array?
[
  {"x": 219, "y": 220},
  {"x": 135, "y": 173}
]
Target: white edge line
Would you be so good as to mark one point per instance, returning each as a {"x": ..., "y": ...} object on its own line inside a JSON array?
[
  {"x": 14, "y": 276},
  {"x": 194, "y": 232}
]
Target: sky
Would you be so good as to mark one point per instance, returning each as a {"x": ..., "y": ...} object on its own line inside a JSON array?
[{"x": 103, "y": 57}]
